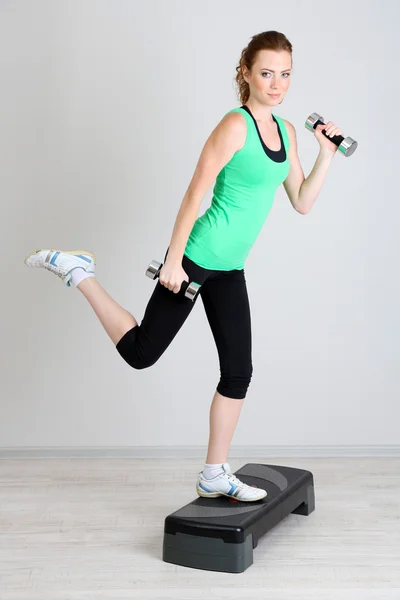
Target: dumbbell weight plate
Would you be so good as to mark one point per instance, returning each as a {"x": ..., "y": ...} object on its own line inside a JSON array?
[
  {"x": 153, "y": 269},
  {"x": 192, "y": 290}
]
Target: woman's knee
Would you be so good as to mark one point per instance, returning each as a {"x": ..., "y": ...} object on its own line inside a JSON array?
[
  {"x": 234, "y": 385},
  {"x": 137, "y": 360},
  {"x": 133, "y": 353},
  {"x": 140, "y": 363}
]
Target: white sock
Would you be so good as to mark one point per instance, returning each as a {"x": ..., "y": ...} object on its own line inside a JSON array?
[
  {"x": 211, "y": 471},
  {"x": 78, "y": 275}
]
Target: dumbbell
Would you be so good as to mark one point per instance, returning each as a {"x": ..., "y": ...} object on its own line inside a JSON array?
[
  {"x": 191, "y": 289},
  {"x": 346, "y": 145}
]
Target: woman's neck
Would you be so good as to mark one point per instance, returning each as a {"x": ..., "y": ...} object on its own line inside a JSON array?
[{"x": 261, "y": 113}]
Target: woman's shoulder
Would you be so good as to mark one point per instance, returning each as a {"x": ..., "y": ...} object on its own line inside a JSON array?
[
  {"x": 235, "y": 118},
  {"x": 231, "y": 129},
  {"x": 290, "y": 128},
  {"x": 237, "y": 113}
]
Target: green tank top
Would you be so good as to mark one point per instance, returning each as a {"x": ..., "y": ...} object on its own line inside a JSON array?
[{"x": 243, "y": 195}]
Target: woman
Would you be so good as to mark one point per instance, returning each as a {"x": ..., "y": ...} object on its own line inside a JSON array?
[{"x": 250, "y": 153}]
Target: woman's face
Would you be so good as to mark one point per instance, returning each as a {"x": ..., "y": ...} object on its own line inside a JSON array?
[{"x": 269, "y": 76}]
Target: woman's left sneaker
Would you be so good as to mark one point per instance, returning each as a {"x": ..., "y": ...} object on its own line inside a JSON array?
[
  {"x": 228, "y": 485},
  {"x": 62, "y": 262}
]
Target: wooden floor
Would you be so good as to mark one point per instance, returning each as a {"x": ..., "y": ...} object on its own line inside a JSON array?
[{"x": 90, "y": 529}]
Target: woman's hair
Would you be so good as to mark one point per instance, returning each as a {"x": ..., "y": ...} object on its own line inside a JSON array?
[{"x": 267, "y": 40}]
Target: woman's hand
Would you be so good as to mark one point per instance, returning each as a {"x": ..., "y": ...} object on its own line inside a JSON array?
[
  {"x": 330, "y": 129},
  {"x": 172, "y": 275}
]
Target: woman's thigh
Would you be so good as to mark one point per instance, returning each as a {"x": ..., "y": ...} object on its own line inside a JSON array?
[
  {"x": 227, "y": 307},
  {"x": 164, "y": 316}
]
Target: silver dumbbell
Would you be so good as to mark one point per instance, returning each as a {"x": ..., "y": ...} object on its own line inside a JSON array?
[
  {"x": 346, "y": 145},
  {"x": 191, "y": 289}
]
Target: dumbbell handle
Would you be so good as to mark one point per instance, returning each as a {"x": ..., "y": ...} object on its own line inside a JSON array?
[
  {"x": 346, "y": 145},
  {"x": 191, "y": 289}
]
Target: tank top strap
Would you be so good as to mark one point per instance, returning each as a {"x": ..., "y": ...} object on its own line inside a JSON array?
[{"x": 284, "y": 132}]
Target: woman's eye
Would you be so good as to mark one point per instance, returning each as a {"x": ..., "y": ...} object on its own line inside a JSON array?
[{"x": 287, "y": 74}]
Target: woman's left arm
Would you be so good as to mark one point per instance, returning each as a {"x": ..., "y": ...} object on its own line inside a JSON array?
[{"x": 302, "y": 192}]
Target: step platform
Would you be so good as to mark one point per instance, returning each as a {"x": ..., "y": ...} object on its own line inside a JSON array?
[{"x": 219, "y": 534}]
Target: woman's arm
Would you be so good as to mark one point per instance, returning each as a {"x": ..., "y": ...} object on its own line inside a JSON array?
[
  {"x": 224, "y": 141},
  {"x": 303, "y": 191},
  {"x": 296, "y": 177},
  {"x": 183, "y": 226},
  {"x": 311, "y": 186}
]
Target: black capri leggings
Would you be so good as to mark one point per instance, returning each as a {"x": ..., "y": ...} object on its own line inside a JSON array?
[{"x": 225, "y": 300}]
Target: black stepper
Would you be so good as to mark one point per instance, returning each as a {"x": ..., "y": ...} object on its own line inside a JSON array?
[{"x": 219, "y": 534}]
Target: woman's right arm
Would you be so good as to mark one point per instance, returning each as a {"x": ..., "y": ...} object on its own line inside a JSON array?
[{"x": 226, "y": 139}]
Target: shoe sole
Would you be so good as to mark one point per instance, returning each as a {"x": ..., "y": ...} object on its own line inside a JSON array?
[
  {"x": 72, "y": 252},
  {"x": 217, "y": 494}
]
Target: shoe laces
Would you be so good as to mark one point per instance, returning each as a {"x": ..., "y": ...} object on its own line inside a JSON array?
[{"x": 231, "y": 477}]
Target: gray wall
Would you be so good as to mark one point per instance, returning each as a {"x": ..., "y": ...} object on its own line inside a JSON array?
[{"x": 105, "y": 107}]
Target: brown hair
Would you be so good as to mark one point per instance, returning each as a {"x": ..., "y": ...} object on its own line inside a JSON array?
[{"x": 267, "y": 40}]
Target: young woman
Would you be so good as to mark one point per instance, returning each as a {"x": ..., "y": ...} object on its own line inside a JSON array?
[{"x": 249, "y": 154}]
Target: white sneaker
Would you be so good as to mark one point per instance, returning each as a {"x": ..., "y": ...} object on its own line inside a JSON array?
[
  {"x": 62, "y": 262},
  {"x": 228, "y": 485}
]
